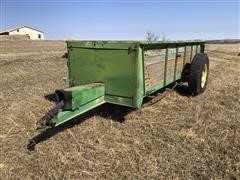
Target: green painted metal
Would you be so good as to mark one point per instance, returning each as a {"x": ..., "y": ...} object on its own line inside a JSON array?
[
  {"x": 191, "y": 53},
  {"x": 64, "y": 116},
  {"x": 175, "y": 65},
  {"x": 140, "y": 78},
  {"x": 113, "y": 67},
  {"x": 143, "y": 71},
  {"x": 83, "y": 98},
  {"x": 184, "y": 58},
  {"x": 165, "y": 67},
  {"x": 118, "y": 67},
  {"x": 85, "y": 93}
]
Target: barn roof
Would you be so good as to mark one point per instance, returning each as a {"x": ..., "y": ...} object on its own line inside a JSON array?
[{"x": 9, "y": 30}]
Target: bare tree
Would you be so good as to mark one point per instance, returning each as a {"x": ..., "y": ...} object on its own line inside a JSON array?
[
  {"x": 150, "y": 36},
  {"x": 165, "y": 39}
]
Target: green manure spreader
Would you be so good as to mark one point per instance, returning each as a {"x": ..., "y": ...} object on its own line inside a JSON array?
[{"x": 124, "y": 73}]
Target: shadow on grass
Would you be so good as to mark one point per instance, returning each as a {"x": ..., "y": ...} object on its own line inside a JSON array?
[
  {"x": 114, "y": 112},
  {"x": 183, "y": 90}
]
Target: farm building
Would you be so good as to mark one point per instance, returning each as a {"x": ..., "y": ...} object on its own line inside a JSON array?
[{"x": 32, "y": 33}]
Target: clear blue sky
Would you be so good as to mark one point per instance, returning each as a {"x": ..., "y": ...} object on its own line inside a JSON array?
[{"x": 115, "y": 19}]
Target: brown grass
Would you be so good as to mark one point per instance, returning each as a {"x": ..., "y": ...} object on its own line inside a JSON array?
[{"x": 180, "y": 137}]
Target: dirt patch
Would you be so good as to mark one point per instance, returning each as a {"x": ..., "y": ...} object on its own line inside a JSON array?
[{"x": 179, "y": 137}]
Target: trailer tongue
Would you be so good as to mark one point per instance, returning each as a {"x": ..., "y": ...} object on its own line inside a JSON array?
[{"x": 73, "y": 102}]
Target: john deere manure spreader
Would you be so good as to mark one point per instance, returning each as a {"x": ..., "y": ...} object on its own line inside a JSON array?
[{"x": 123, "y": 73}]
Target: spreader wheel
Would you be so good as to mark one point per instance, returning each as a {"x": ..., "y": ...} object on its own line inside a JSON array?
[{"x": 198, "y": 75}]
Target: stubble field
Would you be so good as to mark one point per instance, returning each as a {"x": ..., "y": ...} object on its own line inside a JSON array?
[{"x": 179, "y": 137}]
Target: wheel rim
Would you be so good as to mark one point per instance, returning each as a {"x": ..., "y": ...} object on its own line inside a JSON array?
[{"x": 204, "y": 75}]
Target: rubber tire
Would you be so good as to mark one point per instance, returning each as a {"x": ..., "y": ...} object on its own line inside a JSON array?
[{"x": 195, "y": 73}]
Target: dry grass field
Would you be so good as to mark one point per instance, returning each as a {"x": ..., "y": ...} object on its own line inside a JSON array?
[{"x": 179, "y": 137}]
